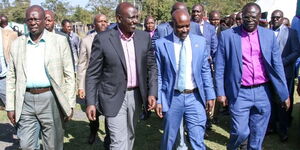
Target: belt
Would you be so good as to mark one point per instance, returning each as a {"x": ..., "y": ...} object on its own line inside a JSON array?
[
  {"x": 254, "y": 86},
  {"x": 132, "y": 88},
  {"x": 187, "y": 91},
  {"x": 38, "y": 90}
]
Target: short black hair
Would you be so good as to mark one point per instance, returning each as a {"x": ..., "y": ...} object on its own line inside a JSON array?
[{"x": 63, "y": 22}]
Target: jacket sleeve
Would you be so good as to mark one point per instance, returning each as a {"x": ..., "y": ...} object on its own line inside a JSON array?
[{"x": 220, "y": 67}]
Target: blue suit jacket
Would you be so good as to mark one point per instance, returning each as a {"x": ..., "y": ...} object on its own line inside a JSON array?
[
  {"x": 228, "y": 67},
  {"x": 290, "y": 47},
  {"x": 209, "y": 33},
  {"x": 165, "y": 57}
]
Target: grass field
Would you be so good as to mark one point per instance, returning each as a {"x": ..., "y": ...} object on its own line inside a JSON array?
[{"x": 149, "y": 133}]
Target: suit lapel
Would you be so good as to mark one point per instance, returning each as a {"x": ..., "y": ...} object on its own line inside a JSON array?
[
  {"x": 282, "y": 37},
  {"x": 238, "y": 45},
  {"x": 263, "y": 46},
  {"x": 170, "y": 50},
  {"x": 116, "y": 43}
]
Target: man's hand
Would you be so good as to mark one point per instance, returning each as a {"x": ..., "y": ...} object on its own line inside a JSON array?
[
  {"x": 81, "y": 93},
  {"x": 210, "y": 104},
  {"x": 222, "y": 100},
  {"x": 158, "y": 110},
  {"x": 91, "y": 112},
  {"x": 286, "y": 104},
  {"x": 151, "y": 102},
  {"x": 11, "y": 116},
  {"x": 70, "y": 116}
]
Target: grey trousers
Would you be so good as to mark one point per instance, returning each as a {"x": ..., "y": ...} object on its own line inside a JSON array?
[
  {"x": 41, "y": 115},
  {"x": 122, "y": 127},
  {"x": 2, "y": 91}
]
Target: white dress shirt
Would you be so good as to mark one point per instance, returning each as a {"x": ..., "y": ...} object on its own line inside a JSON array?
[{"x": 190, "y": 81}]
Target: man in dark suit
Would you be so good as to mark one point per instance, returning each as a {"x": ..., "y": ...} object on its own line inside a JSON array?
[
  {"x": 122, "y": 75},
  {"x": 248, "y": 68},
  {"x": 290, "y": 50},
  {"x": 184, "y": 82}
]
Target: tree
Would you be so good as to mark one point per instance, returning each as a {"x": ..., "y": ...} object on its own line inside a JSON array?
[
  {"x": 61, "y": 8},
  {"x": 82, "y": 15},
  {"x": 105, "y": 7}
]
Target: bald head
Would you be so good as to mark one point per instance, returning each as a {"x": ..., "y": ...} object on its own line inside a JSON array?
[
  {"x": 100, "y": 22},
  {"x": 35, "y": 20},
  {"x": 123, "y": 7},
  {"x": 49, "y": 20},
  {"x": 276, "y": 19},
  {"x": 178, "y": 5},
  {"x": 214, "y": 18},
  {"x": 181, "y": 23},
  {"x": 3, "y": 21}
]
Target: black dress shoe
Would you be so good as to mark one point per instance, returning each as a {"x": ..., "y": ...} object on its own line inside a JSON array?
[{"x": 92, "y": 138}]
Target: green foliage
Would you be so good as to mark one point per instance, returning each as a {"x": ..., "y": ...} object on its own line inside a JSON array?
[
  {"x": 15, "y": 11},
  {"x": 61, "y": 8},
  {"x": 106, "y": 7},
  {"x": 82, "y": 15},
  {"x": 159, "y": 9}
]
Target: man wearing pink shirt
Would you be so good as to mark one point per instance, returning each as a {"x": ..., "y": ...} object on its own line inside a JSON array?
[
  {"x": 248, "y": 68},
  {"x": 122, "y": 75}
]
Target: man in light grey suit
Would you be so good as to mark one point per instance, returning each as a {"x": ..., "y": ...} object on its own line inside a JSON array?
[
  {"x": 290, "y": 50},
  {"x": 122, "y": 77},
  {"x": 100, "y": 23},
  {"x": 40, "y": 84}
]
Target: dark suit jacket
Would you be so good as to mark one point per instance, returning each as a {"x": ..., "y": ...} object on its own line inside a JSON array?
[
  {"x": 228, "y": 66},
  {"x": 107, "y": 73},
  {"x": 290, "y": 47}
]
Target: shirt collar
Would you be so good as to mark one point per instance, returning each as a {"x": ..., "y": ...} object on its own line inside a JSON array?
[
  {"x": 278, "y": 29},
  {"x": 29, "y": 40},
  {"x": 244, "y": 32},
  {"x": 122, "y": 35},
  {"x": 178, "y": 40}
]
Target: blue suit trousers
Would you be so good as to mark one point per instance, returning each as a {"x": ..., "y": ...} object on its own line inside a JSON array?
[
  {"x": 250, "y": 114},
  {"x": 189, "y": 106}
]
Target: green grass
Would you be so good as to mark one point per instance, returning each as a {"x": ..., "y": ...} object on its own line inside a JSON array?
[{"x": 149, "y": 133}]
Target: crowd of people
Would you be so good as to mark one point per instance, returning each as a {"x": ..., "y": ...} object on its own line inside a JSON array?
[{"x": 186, "y": 70}]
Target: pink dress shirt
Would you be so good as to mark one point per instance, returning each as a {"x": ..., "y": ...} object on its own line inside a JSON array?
[
  {"x": 129, "y": 53},
  {"x": 254, "y": 72}
]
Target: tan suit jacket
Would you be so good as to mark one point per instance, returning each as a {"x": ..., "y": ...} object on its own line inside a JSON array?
[
  {"x": 84, "y": 58},
  {"x": 8, "y": 36},
  {"x": 58, "y": 65}
]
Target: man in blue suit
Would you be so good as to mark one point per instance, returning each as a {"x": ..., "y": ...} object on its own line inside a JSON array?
[
  {"x": 205, "y": 29},
  {"x": 184, "y": 82},
  {"x": 248, "y": 67},
  {"x": 290, "y": 50},
  {"x": 164, "y": 30}
]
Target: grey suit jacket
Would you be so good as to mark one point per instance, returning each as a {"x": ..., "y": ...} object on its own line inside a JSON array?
[
  {"x": 106, "y": 77},
  {"x": 290, "y": 49},
  {"x": 58, "y": 65},
  {"x": 84, "y": 58}
]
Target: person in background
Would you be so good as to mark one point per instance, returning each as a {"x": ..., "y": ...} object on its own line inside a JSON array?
[
  {"x": 239, "y": 18},
  {"x": 67, "y": 28},
  {"x": 290, "y": 50},
  {"x": 214, "y": 18},
  {"x": 286, "y": 22},
  {"x": 4, "y": 23},
  {"x": 149, "y": 24},
  {"x": 100, "y": 25}
]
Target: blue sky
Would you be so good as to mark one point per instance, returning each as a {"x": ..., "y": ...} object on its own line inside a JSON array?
[{"x": 74, "y": 3}]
